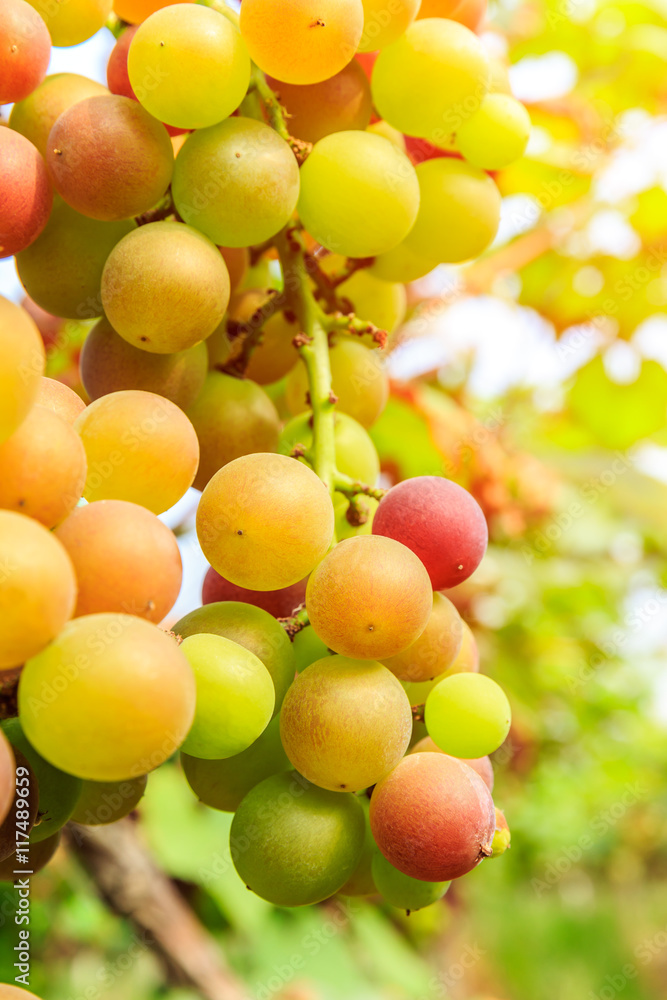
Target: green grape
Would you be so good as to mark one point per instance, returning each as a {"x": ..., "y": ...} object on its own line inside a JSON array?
[
  {"x": 338, "y": 104},
  {"x": 359, "y": 194},
  {"x": 497, "y": 134},
  {"x": 58, "y": 792},
  {"x": 62, "y": 270},
  {"x": 7, "y": 777},
  {"x": 459, "y": 211},
  {"x": 436, "y": 649},
  {"x": 384, "y": 23},
  {"x": 110, "y": 699},
  {"x": 103, "y": 802},
  {"x": 345, "y": 723},
  {"x": 466, "y": 661},
  {"x": 22, "y": 809},
  {"x": 402, "y": 891},
  {"x": 125, "y": 558},
  {"x": 165, "y": 287},
  {"x": 42, "y": 468},
  {"x": 356, "y": 455},
  {"x": 308, "y": 647},
  {"x": 369, "y": 598},
  {"x": 232, "y": 417},
  {"x": 40, "y": 855},
  {"x": 377, "y": 301},
  {"x": 108, "y": 158},
  {"x": 22, "y": 367},
  {"x": 109, "y": 364},
  {"x": 293, "y": 843},
  {"x": 252, "y": 628},
  {"x": 37, "y": 590},
  {"x": 502, "y": 837},
  {"x": 360, "y": 882},
  {"x": 264, "y": 521},
  {"x": 222, "y": 784},
  {"x": 358, "y": 379},
  {"x": 468, "y": 715},
  {"x": 235, "y": 697},
  {"x": 354, "y": 517},
  {"x": 298, "y": 43},
  {"x": 401, "y": 264},
  {"x": 275, "y": 355},
  {"x": 237, "y": 181},
  {"x": 140, "y": 447},
  {"x": 35, "y": 115},
  {"x": 60, "y": 398},
  {"x": 188, "y": 66},
  {"x": 218, "y": 346},
  {"x": 72, "y": 22},
  {"x": 431, "y": 79}
]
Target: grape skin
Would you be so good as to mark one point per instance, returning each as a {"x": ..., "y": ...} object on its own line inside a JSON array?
[
  {"x": 26, "y": 50},
  {"x": 103, "y": 802},
  {"x": 28, "y": 194},
  {"x": 35, "y": 116},
  {"x": 60, "y": 398},
  {"x": 23, "y": 366},
  {"x": 468, "y": 715}
]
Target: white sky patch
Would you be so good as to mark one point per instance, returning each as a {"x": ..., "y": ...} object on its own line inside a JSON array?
[
  {"x": 650, "y": 339},
  {"x": 543, "y": 78}
]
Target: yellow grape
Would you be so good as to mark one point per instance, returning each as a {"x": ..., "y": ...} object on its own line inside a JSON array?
[
  {"x": 35, "y": 115},
  {"x": 72, "y": 22},
  {"x": 388, "y": 132},
  {"x": 37, "y": 589},
  {"x": 377, "y": 301},
  {"x": 358, "y": 379},
  {"x": 401, "y": 264},
  {"x": 497, "y": 134},
  {"x": 60, "y": 398},
  {"x": 23, "y": 361},
  {"x": 188, "y": 66},
  {"x": 359, "y": 194},
  {"x": 140, "y": 447},
  {"x": 356, "y": 455},
  {"x": 264, "y": 521},
  {"x": 302, "y": 41},
  {"x": 459, "y": 211},
  {"x": 136, "y": 11},
  {"x": 385, "y": 21},
  {"x": 433, "y": 78}
]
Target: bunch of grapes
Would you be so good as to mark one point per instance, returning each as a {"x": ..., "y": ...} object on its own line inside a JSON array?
[{"x": 238, "y": 297}]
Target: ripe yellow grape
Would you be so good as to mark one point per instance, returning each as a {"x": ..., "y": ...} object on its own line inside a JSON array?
[
  {"x": 23, "y": 361},
  {"x": 401, "y": 264},
  {"x": 385, "y": 22},
  {"x": 60, "y": 398},
  {"x": 358, "y": 379},
  {"x": 72, "y": 22},
  {"x": 369, "y": 598},
  {"x": 35, "y": 115},
  {"x": 359, "y": 194},
  {"x": 238, "y": 182},
  {"x": 497, "y": 134},
  {"x": 37, "y": 590},
  {"x": 388, "y": 132},
  {"x": 377, "y": 301},
  {"x": 302, "y": 42},
  {"x": 264, "y": 521},
  {"x": 140, "y": 447},
  {"x": 432, "y": 78},
  {"x": 459, "y": 211},
  {"x": 42, "y": 468},
  {"x": 188, "y": 66},
  {"x": 110, "y": 699},
  {"x": 232, "y": 417}
]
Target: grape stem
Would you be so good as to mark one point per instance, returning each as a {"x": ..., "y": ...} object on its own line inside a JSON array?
[
  {"x": 352, "y": 324},
  {"x": 418, "y": 713},
  {"x": 294, "y": 623},
  {"x": 277, "y": 115},
  {"x": 351, "y": 487}
]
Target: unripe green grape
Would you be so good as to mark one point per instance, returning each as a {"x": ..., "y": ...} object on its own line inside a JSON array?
[
  {"x": 218, "y": 346},
  {"x": 23, "y": 361},
  {"x": 38, "y": 590},
  {"x": 40, "y": 855},
  {"x": 264, "y": 521},
  {"x": 384, "y": 24},
  {"x": 235, "y": 697},
  {"x": 103, "y": 802},
  {"x": 468, "y": 715},
  {"x": 238, "y": 181},
  {"x": 58, "y": 397},
  {"x": 338, "y": 104},
  {"x": 359, "y": 194},
  {"x": 497, "y": 134},
  {"x": 502, "y": 837},
  {"x": 356, "y": 455},
  {"x": 188, "y": 66},
  {"x": 251, "y": 627},
  {"x": 35, "y": 115},
  {"x": 58, "y": 792},
  {"x": 62, "y": 270},
  {"x": 437, "y": 647},
  {"x": 125, "y": 698},
  {"x": 109, "y": 364},
  {"x": 222, "y": 784},
  {"x": 140, "y": 447},
  {"x": 433, "y": 75},
  {"x": 293, "y": 843},
  {"x": 362, "y": 513},
  {"x": 360, "y": 882},
  {"x": 345, "y": 723},
  {"x": 232, "y": 417},
  {"x": 459, "y": 211},
  {"x": 165, "y": 287},
  {"x": 369, "y": 598},
  {"x": 358, "y": 379},
  {"x": 72, "y": 22},
  {"x": 402, "y": 264},
  {"x": 377, "y": 301},
  {"x": 402, "y": 891},
  {"x": 308, "y": 647}
]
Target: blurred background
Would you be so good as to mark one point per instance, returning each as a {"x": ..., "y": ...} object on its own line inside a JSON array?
[{"x": 537, "y": 378}]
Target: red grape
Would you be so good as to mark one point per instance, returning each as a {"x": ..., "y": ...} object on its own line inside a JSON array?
[
  {"x": 27, "y": 193},
  {"x": 25, "y": 50},
  {"x": 279, "y": 603}
]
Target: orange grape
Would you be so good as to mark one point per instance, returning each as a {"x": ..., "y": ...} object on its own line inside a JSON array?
[
  {"x": 57, "y": 396},
  {"x": 35, "y": 116},
  {"x": 23, "y": 361}
]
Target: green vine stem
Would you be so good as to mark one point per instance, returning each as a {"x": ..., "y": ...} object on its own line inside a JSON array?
[
  {"x": 294, "y": 623},
  {"x": 352, "y": 488}
]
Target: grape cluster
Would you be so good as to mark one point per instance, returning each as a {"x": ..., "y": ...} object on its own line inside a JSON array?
[{"x": 234, "y": 233}]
